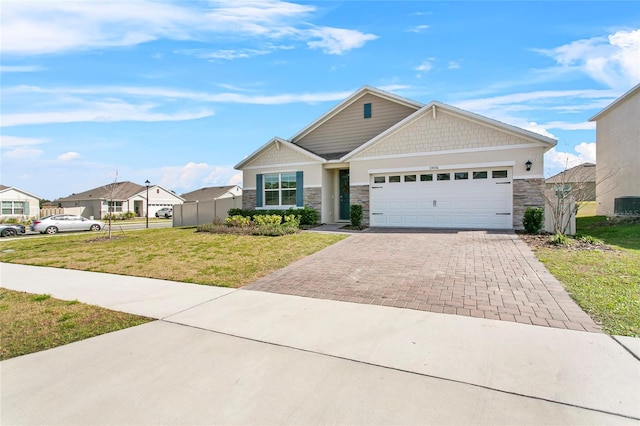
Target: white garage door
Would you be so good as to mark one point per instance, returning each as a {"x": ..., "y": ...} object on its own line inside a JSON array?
[{"x": 474, "y": 198}]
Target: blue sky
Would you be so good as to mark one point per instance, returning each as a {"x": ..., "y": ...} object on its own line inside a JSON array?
[{"x": 180, "y": 92}]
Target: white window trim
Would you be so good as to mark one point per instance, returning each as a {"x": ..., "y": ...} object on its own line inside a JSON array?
[{"x": 279, "y": 206}]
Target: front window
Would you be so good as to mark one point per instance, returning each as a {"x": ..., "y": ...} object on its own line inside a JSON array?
[
  {"x": 280, "y": 189},
  {"x": 115, "y": 206},
  {"x": 13, "y": 207}
]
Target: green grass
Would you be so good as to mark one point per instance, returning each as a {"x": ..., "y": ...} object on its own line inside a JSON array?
[
  {"x": 606, "y": 284},
  {"x": 35, "y": 322},
  {"x": 176, "y": 254}
]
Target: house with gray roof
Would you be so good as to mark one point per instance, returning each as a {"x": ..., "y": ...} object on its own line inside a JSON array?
[{"x": 120, "y": 197}]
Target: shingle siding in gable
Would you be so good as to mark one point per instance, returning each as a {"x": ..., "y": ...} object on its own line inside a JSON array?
[
  {"x": 349, "y": 129},
  {"x": 284, "y": 155},
  {"x": 445, "y": 132}
]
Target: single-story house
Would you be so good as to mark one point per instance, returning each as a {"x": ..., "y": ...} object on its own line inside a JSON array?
[
  {"x": 206, "y": 205},
  {"x": 406, "y": 163},
  {"x": 18, "y": 203},
  {"x": 618, "y": 155},
  {"x": 581, "y": 180},
  {"x": 212, "y": 193},
  {"x": 120, "y": 197}
]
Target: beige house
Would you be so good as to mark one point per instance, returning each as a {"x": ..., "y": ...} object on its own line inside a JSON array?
[
  {"x": 119, "y": 197},
  {"x": 581, "y": 180},
  {"x": 618, "y": 155},
  {"x": 408, "y": 165},
  {"x": 17, "y": 203},
  {"x": 212, "y": 193}
]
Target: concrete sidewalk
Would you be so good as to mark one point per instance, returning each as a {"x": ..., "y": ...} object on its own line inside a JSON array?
[{"x": 248, "y": 357}]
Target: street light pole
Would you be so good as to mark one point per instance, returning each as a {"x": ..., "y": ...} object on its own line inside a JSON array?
[{"x": 147, "y": 213}]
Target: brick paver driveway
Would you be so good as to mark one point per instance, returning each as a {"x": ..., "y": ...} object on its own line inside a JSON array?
[{"x": 483, "y": 274}]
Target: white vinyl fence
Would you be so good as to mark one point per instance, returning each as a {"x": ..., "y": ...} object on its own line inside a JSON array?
[{"x": 202, "y": 212}]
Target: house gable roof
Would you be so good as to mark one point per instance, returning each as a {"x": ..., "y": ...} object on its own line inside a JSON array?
[
  {"x": 432, "y": 108},
  {"x": 585, "y": 172},
  {"x": 121, "y": 191},
  {"x": 633, "y": 91},
  {"x": 208, "y": 193},
  {"x": 276, "y": 141},
  {"x": 4, "y": 188},
  {"x": 364, "y": 90}
]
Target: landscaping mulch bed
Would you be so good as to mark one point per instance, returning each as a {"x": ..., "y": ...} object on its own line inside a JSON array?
[{"x": 544, "y": 241}]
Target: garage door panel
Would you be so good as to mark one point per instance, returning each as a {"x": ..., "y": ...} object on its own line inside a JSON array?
[{"x": 463, "y": 203}]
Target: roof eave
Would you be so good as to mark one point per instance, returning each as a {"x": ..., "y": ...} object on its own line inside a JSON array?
[{"x": 615, "y": 103}]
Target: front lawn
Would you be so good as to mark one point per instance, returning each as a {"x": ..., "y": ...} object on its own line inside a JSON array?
[
  {"x": 35, "y": 322},
  {"x": 606, "y": 284},
  {"x": 176, "y": 254}
]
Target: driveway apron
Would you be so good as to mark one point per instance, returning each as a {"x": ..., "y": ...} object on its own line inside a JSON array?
[{"x": 483, "y": 274}]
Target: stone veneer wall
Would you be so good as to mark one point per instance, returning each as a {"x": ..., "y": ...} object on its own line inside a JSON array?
[
  {"x": 312, "y": 197},
  {"x": 248, "y": 199},
  {"x": 526, "y": 193},
  {"x": 360, "y": 195}
]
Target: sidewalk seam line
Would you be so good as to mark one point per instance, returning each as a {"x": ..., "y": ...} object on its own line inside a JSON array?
[
  {"x": 625, "y": 348},
  {"x": 406, "y": 371},
  {"x": 199, "y": 304}
]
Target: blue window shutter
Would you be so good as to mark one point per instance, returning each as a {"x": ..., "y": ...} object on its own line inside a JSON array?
[
  {"x": 367, "y": 110},
  {"x": 259, "y": 190},
  {"x": 26, "y": 208},
  {"x": 299, "y": 190}
]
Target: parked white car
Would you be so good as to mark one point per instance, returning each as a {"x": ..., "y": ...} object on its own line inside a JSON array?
[
  {"x": 165, "y": 212},
  {"x": 65, "y": 222}
]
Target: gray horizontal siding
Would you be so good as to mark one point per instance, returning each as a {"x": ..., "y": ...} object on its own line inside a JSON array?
[{"x": 349, "y": 129}]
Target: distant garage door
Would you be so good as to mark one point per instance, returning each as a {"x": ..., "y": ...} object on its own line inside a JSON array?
[{"x": 474, "y": 198}]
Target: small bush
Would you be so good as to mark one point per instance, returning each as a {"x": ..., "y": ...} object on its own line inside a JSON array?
[
  {"x": 532, "y": 220},
  {"x": 267, "y": 219},
  {"x": 11, "y": 220},
  {"x": 356, "y": 215},
  {"x": 238, "y": 221},
  {"x": 590, "y": 240},
  {"x": 560, "y": 240}
]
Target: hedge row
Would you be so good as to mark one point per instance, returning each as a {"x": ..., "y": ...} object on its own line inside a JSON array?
[{"x": 308, "y": 216}]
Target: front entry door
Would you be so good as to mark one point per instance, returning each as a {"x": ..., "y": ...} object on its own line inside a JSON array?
[{"x": 344, "y": 195}]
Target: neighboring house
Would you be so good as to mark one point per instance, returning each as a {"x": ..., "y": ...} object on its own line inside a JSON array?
[
  {"x": 18, "y": 203},
  {"x": 618, "y": 155},
  {"x": 120, "y": 197},
  {"x": 581, "y": 180},
  {"x": 407, "y": 164},
  {"x": 212, "y": 193}
]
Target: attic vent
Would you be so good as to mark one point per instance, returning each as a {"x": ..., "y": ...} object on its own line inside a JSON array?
[{"x": 367, "y": 110}]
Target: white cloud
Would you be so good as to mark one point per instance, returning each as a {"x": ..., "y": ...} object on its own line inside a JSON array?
[
  {"x": 231, "y": 54},
  {"x": 337, "y": 41},
  {"x": 508, "y": 108},
  {"x": 563, "y": 125},
  {"x": 453, "y": 65},
  {"x": 23, "y": 152},
  {"x": 13, "y": 141},
  {"x": 55, "y": 27},
  {"x": 425, "y": 66},
  {"x": 537, "y": 128},
  {"x": 160, "y": 92},
  {"x": 20, "y": 68},
  {"x": 101, "y": 111},
  {"x": 418, "y": 29},
  {"x": 613, "y": 60},
  {"x": 192, "y": 176},
  {"x": 69, "y": 156},
  {"x": 558, "y": 161}
]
